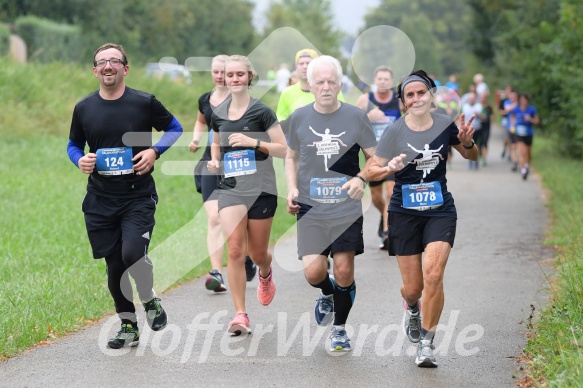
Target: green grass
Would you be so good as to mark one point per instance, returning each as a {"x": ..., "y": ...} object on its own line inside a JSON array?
[
  {"x": 556, "y": 348},
  {"x": 49, "y": 283}
]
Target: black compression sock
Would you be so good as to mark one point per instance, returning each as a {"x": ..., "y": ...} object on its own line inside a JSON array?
[
  {"x": 343, "y": 300},
  {"x": 326, "y": 285}
]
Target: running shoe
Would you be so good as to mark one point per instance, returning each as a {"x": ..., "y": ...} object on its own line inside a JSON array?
[
  {"x": 524, "y": 174},
  {"x": 240, "y": 324},
  {"x": 127, "y": 336},
  {"x": 412, "y": 323},
  {"x": 514, "y": 167},
  {"x": 339, "y": 341},
  {"x": 324, "y": 309},
  {"x": 250, "y": 268},
  {"x": 155, "y": 314},
  {"x": 425, "y": 357},
  {"x": 266, "y": 288},
  {"x": 214, "y": 282},
  {"x": 384, "y": 244}
]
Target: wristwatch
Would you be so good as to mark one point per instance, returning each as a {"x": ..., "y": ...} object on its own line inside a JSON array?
[
  {"x": 157, "y": 151},
  {"x": 470, "y": 147},
  {"x": 257, "y": 145}
]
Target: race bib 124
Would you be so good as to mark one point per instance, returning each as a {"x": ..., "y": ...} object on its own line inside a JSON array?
[{"x": 114, "y": 161}]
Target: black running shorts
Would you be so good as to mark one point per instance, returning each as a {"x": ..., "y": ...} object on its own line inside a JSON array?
[
  {"x": 110, "y": 221},
  {"x": 409, "y": 234},
  {"x": 258, "y": 208},
  {"x": 524, "y": 139}
]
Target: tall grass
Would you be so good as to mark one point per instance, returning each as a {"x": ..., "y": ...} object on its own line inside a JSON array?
[
  {"x": 49, "y": 283},
  {"x": 556, "y": 348}
]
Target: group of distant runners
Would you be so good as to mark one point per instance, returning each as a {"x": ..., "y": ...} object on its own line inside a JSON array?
[
  {"x": 405, "y": 143},
  {"x": 518, "y": 118}
]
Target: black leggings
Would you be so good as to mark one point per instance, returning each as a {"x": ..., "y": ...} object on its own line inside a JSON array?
[{"x": 129, "y": 257}]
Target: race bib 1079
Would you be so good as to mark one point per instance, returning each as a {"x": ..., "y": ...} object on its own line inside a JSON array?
[{"x": 328, "y": 190}]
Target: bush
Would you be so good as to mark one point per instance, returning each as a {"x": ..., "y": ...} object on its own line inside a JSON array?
[
  {"x": 48, "y": 41},
  {"x": 4, "y": 40}
]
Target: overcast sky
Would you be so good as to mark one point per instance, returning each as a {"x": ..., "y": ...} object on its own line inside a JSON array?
[{"x": 349, "y": 14}]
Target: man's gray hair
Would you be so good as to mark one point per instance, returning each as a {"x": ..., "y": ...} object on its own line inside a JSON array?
[{"x": 324, "y": 60}]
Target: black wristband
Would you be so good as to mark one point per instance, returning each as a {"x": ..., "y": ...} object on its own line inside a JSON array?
[
  {"x": 362, "y": 179},
  {"x": 470, "y": 147},
  {"x": 257, "y": 145}
]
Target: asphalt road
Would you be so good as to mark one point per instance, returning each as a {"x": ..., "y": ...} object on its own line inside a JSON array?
[{"x": 495, "y": 272}]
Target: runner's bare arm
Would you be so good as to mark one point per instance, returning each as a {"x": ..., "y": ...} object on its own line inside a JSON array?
[
  {"x": 378, "y": 168},
  {"x": 278, "y": 145},
  {"x": 355, "y": 187},
  {"x": 291, "y": 174},
  {"x": 465, "y": 136},
  {"x": 362, "y": 102},
  {"x": 213, "y": 164},
  {"x": 375, "y": 115},
  {"x": 197, "y": 132},
  {"x": 369, "y": 152}
]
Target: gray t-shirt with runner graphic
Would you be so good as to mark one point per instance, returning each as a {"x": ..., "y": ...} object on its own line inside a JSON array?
[
  {"x": 421, "y": 187},
  {"x": 328, "y": 147}
]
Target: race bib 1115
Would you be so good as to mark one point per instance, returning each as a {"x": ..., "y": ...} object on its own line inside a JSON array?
[{"x": 237, "y": 163}]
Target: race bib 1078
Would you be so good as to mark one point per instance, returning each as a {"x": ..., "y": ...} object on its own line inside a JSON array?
[{"x": 422, "y": 196}]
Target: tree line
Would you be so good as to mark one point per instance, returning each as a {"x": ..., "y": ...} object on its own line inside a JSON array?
[
  {"x": 534, "y": 45},
  {"x": 537, "y": 47}
]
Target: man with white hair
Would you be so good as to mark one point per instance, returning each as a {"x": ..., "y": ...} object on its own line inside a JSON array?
[
  {"x": 481, "y": 86},
  {"x": 325, "y": 191},
  {"x": 297, "y": 95}
]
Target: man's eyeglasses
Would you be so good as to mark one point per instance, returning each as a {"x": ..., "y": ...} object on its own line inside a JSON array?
[{"x": 112, "y": 61}]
